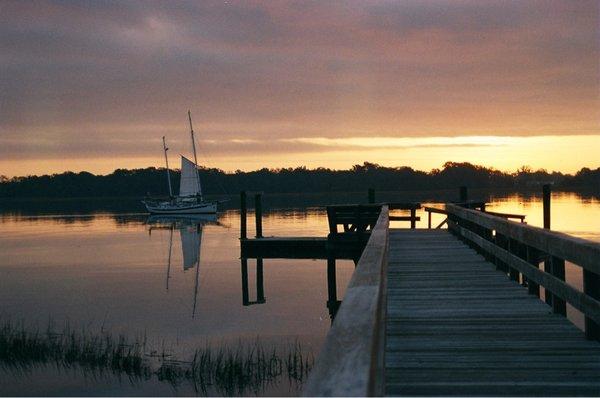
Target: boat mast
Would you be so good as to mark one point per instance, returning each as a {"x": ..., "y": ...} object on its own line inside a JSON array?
[
  {"x": 194, "y": 147},
  {"x": 167, "y": 162}
]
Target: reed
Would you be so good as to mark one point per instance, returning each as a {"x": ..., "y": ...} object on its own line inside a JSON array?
[{"x": 236, "y": 369}]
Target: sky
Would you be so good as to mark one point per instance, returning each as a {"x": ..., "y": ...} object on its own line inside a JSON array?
[{"x": 94, "y": 85}]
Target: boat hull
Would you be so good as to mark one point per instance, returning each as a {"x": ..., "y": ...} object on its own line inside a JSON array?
[{"x": 183, "y": 208}]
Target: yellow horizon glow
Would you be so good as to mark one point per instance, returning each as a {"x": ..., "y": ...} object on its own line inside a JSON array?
[{"x": 566, "y": 154}]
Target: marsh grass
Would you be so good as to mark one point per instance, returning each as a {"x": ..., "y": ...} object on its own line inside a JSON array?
[{"x": 237, "y": 369}]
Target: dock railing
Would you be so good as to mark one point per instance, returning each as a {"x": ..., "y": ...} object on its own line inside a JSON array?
[
  {"x": 351, "y": 361},
  {"x": 518, "y": 249}
]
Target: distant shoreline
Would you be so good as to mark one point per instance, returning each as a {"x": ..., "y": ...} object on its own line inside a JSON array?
[{"x": 140, "y": 182}]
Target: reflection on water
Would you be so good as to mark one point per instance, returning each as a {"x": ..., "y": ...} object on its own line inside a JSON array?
[
  {"x": 190, "y": 232},
  {"x": 103, "y": 272},
  {"x": 178, "y": 282}
]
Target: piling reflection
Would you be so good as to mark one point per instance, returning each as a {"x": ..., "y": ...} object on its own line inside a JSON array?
[
  {"x": 260, "y": 288},
  {"x": 190, "y": 233},
  {"x": 332, "y": 304}
]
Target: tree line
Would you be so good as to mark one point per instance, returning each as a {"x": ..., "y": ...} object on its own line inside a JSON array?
[{"x": 153, "y": 181}]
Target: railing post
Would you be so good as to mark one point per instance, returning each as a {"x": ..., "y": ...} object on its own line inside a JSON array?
[
  {"x": 371, "y": 195},
  {"x": 243, "y": 211},
  {"x": 258, "y": 214},
  {"x": 591, "y": 287},
  {"x": 533, "y": 259},
  {"x": 558, "y": 270},
  {"x": 429, "y": 219},
  {"x": 464, "y": 195},
  {"x": 501, "y": 241},
  {"x": 413, "y": 218},
  {"x": 514, "y": 249}
]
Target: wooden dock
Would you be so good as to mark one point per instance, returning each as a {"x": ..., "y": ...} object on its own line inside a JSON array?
[
  {"x": 457, "y": 326},
  {"x": 458, "y": 312}
]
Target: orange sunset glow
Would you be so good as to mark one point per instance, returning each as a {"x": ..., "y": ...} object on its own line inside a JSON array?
[{"x": 94, "y": 86}]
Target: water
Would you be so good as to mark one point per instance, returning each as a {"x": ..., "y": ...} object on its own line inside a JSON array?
[{"x": 105, "y": 269}]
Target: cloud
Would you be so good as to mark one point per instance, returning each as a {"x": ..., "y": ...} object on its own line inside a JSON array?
[{"x": 77, "y": 77}]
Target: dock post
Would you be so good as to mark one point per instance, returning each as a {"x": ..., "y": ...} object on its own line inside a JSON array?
[
  {"x": 413, "y": 218},
  {"x": 260, "y": 286},
  {"x": 464, "y": 195},
  {"x": 258, "y": 214},
  {"x": 243, "y": 212},
  {"x": 371, "y": 195},
  {"x": 546, "y": 191}
]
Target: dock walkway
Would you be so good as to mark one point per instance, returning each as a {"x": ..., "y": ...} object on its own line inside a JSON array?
[{"x": 455, "y": 325}]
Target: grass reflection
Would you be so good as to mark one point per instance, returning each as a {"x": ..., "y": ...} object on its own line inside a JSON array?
[{"x": 227, "y": 370}]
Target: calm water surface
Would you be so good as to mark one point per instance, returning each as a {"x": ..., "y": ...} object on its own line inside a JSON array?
[{"x": 131, "y": 275}]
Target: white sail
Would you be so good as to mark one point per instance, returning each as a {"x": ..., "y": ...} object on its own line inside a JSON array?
[
  {"x": 190, "y": 245},
  {"x": 190, "y": 183}
]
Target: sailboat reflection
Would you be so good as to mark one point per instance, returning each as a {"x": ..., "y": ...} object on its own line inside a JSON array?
[{"x": 190, "y": 233}]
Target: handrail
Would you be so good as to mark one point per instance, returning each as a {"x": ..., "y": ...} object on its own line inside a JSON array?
[
  {"x": 518, "y": 248},
  {"x": 582, "y": 252},
  {"x": 351, "y": 361}
]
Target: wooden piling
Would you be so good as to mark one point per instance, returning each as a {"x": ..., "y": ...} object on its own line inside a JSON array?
[
  {"x": 258, "y": 214},
  {"x": 243, "y": 212},
  {"x": 546, "y": 190}
]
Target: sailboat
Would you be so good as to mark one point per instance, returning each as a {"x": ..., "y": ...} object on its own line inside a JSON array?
[{"x": 189, "y": 200}]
